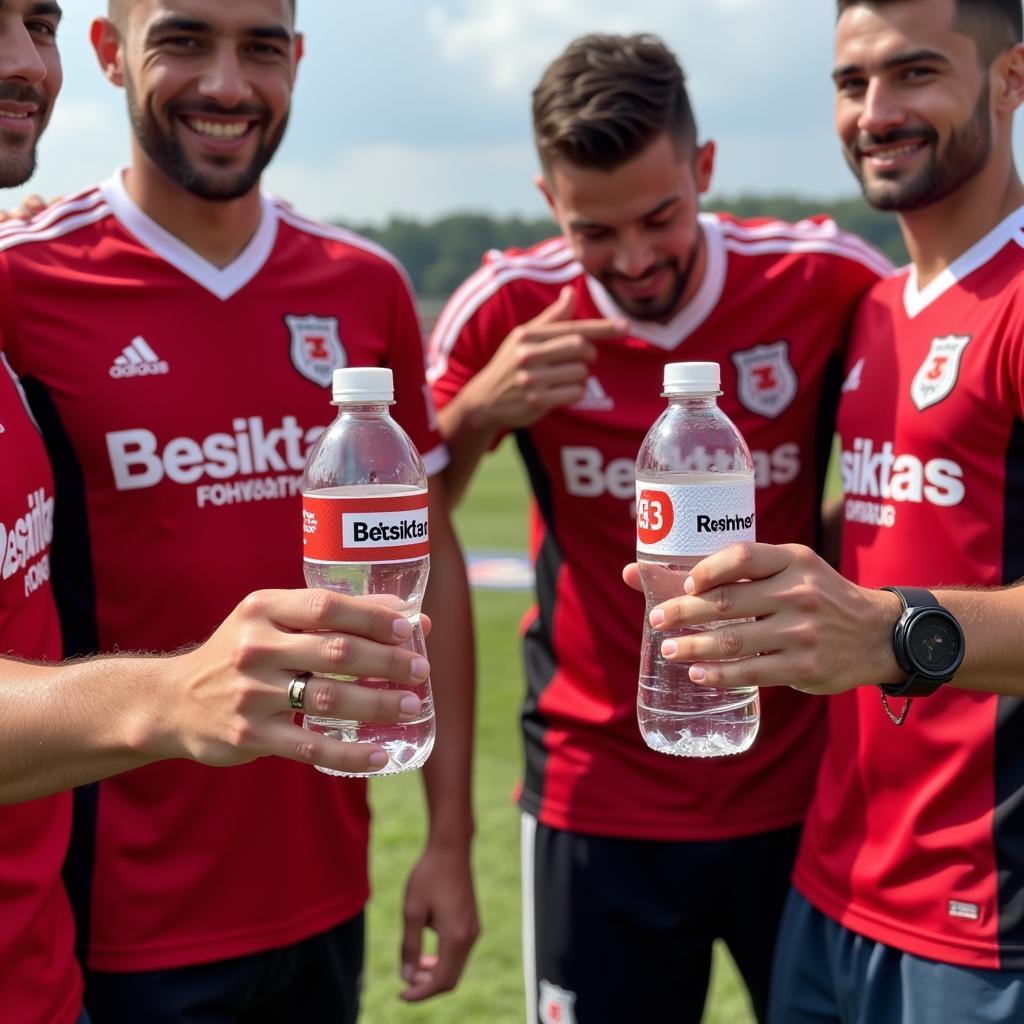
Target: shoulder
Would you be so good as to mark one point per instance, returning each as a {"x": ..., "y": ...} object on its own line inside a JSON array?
[
  {"x": 355, "y": 248},
  {"x": 60, "y": 220},
  {"x": 817, "y": 236},
  {"x": 512, "y": 277}
]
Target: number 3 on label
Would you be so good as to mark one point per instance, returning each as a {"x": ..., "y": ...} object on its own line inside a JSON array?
[{"x": 654, "y": 516}]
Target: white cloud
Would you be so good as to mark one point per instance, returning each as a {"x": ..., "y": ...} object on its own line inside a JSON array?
[{"x": 367, "y": 184}]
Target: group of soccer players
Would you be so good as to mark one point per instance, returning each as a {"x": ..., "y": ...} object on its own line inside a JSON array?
[{"x": 237, "y": 895}]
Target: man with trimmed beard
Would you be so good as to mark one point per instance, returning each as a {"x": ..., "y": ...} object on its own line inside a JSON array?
[
  {"x": 178, "y": 383},
  {"x": 635, "y": 862},
  {"x": 907, "y": 903}
]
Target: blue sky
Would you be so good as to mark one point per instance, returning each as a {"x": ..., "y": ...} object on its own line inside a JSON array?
[{"x": 421, "y": 107}]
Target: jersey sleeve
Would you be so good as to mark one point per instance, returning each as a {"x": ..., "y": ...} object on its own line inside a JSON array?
[
  {"x": 468, "y": 333},
  {"x": 414, "y": 404}
]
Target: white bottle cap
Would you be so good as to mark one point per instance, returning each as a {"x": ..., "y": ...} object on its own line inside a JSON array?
[
  {"x": 364, "y": 384},
  {"x": 692, "y": 378}
]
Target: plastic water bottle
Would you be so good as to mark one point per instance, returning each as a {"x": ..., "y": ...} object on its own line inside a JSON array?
[
  {"x": 365, "y": 533},
  {"x": 695, "y": 494}
]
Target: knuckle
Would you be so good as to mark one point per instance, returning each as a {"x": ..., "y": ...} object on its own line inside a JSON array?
[
  {"x": 253, "y": 605},
  {"x": 750, "y": 674},
  {"x": 337, "y": 649},
  {"x": 742, "y": 554},
  {"x": 730, "y": 642},
  {"x": 320, "y": 697},
  {"x": 723, "y": 599},
  {"x": 306, "y": 751},
  {"x": 322, "y": 605}
]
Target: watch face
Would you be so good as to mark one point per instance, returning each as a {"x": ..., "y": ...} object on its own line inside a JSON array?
[{"x": 934, "y": 643}]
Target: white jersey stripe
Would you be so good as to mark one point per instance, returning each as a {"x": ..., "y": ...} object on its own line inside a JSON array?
[
  {"x": 861, "y": 254},
  {"x": 436, "y": 460},
  {"x": 526, "y": 265},
  {"x": 445, "y": 336},
  {"x": 75, "y": 204},
  {"x": 59, "y": 229}
]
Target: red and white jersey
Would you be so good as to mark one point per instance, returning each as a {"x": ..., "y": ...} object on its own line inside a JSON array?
[
  {"x": 178, "y": 401},
  {"x": 915, "y": 834},
  {"x": 39, "y": 977},
  {"x": 772, "y": 309}
]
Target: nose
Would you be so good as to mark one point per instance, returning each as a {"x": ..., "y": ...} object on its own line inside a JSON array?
[
  {"x": 19, "y": 58},
  {"x": 633, "y": 255},
  {"x": 881, "y": 110},
  {"x": 224, "y": 80}
]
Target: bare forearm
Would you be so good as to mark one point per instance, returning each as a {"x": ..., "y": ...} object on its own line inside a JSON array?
[
  {"x": 66, "y": 725},
  {"x": 993, "y": 625},
  {"x": 468, "y": 440},
  {"x": 447, "y": 774}
]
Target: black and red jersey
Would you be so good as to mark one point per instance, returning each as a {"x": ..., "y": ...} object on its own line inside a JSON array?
[
  {"x": 772, "y": 308},
  {"x": 39, "y": 978},
  {"x": 916, "y": 834},
  {"x": 178, "y": 402}
]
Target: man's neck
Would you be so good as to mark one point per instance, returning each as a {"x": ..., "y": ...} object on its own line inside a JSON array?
[
  {"x": 217, "y": 231},
  {"x": 936, "y": 235}
]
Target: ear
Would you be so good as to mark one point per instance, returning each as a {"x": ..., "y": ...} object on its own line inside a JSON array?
[
  {"x": 545, "y": 190},
  {"x": 703, "y": 166},
  {"x": 300, "y": 47},
  {"x": 1007, "y": 80},
  {"x": 106, "y": 41}
]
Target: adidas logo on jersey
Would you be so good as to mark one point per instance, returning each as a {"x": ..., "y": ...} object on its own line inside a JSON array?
[
  {"x": 138, "y": 360},
  {"x": 595, "y": 398}
]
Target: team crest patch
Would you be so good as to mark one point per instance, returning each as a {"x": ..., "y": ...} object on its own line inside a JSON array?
[
  {"x": 938, "y": 373},
  {"x": 316, "y": 347},
  {"x": 767, "y": 381},
  {"x": 556, "y": 1005}
]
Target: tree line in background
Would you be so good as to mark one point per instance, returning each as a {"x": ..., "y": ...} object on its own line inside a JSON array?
[{"x": 440, "y": 254}]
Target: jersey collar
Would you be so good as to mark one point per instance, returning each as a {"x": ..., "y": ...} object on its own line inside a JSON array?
[
  {"x": 694, "y": 313},
  {"x": 224, "y": 283},
  {"x": 916, "y": 300}
]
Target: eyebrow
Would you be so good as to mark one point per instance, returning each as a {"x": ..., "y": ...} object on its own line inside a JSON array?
[
  {"x": 900, "y": 60},
  {"x": 195, "y": 26},
  {"x": 41, "y": 7},
  {"x": 583, "y": 222}
]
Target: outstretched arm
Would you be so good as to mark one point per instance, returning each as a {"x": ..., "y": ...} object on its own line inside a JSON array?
[
  {"x": 224, "y": 702},
  {"x": 816, "y": 631}
]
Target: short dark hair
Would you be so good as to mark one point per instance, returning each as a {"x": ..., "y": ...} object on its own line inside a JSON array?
[
  {"x": 995, "y": 25},
  {"x": 606, "y": 98},
  {"x": 117, "y": 10}
]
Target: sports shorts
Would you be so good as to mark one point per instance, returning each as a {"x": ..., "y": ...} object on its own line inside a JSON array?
[
  {"x": 622, "y": 929},
  {"x": 826, "y": 974},
  {"x": 316, "y": 981}
]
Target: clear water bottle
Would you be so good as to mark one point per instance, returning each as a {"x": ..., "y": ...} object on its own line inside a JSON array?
[
  {"x": 365, "y": 533},
  {"x": 695, "y": 494}
]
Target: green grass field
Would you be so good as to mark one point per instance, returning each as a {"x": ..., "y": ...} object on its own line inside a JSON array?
[{"x": 492, "y": 517}]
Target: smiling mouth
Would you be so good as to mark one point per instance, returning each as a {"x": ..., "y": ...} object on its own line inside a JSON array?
[{"x": 218, "y": 129}]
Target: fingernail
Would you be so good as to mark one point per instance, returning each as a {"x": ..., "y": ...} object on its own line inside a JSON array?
[
  {"x": 409, "y": 704},
  {"x": 697, "y": 674},
  {"x": 689, "y": 586},
  {"x": 657, "y": 618},
  {"x": 402, "y": 629},
  {"x": 669, "y": 648},
  {"x": 408, "y": 972},
  {"x": 378, "y": 759},
  {"x": 420, "y": 668}
]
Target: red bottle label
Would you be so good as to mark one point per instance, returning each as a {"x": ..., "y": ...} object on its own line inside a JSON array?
[{"x": 371, "y": 528}]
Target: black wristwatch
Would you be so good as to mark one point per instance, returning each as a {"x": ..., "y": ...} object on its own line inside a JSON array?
[{"x": 927, "y": 641}]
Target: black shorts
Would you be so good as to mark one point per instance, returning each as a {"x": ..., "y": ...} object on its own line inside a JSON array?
[
  {"x": 316, "y": 981},
  {"x": 617, "y": 930}
]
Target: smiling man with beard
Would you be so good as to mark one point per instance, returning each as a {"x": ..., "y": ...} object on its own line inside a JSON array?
[{"x": 179, "y": 381}]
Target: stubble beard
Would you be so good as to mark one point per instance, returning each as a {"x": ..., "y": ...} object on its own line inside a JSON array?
[
  {"x": 168, "y": 154},
  {"x": 965, "y": 155}
]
